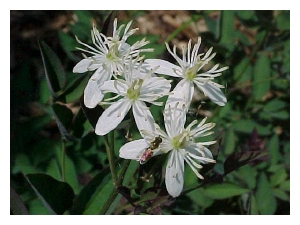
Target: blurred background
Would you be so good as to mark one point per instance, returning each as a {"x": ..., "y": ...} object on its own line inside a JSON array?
[{"x": 254, "y": 44}]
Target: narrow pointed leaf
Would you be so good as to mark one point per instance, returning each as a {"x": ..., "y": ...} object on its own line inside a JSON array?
[
  {"x": 261, "y": 77},
  {"x": 266, "y": 202},
  {"x": 253, "y": 206},
  {"x": 80, "y": 126},
  {"x": 56, "y": 196},
  {"x": 92, "y": 114},
  {"x": 74, "y": 90},
  {"x": 63, "y": 116},
  {"x": 87, "y": 195},
  {"x": 107, "y": 28},
  {"x": 223, "y": 191},
  {"x": 54, "y": 70}
]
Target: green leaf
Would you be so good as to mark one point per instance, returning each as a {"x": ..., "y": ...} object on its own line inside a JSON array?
[
  {"x": 70, "y": 170},
  {"x": 84, "y": 16},
  {"x": 36, "y": 207},
  {"x": 213, "y": 24},
  {"x": 281, "y": 194},
  {"x": 17, "y": 206},
  {"x": 278, "y": 177},
  {"x": 266, "y": 202},
  {"x": 80, "y": 126},
  {"x": 230, "y": 141},
  {"x": 245, "y": 14},
  {"x": 44, "y": 91},
  {"x": 261, "y": 77},
  {"x": 93, "y": 192},
  {"x": 248, "y": 174},
  {"x": 56, "y": 196},
  {"x": 274, "y": 105},
  {"x": 227, "y": 29},
  {"x": 54, "y": 70},
  {"x": 68, "y": 44},
  {"x": 198, "y": 196},
  {"x": 63, "y": 116},
  {"x": 82, "y": 31},
  {"x": 22, "y": 164},
  {"x": 107, "y": 28},
  {"x": 91, "y": 114},
  {"x": 285, "y": 185},
  {"x": 243, "y": 71},
  {"x": 283, "y": 20},
  {"x": 99, "y": 199},
  {"x": 247, "y": 126},
  {"x": 74, "y": 90},
  {"x": 283, "y": 115},
  {"x": 225, "y": 111},
  {"x": 253, "y": 206},
  {"x": 273, "y": 148},
  {"x": 223, "y": 191}
]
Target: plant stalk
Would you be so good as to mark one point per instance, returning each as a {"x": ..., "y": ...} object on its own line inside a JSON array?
[{"x": 63, "y": 160}]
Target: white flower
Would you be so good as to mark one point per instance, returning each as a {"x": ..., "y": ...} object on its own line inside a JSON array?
[
  {"x": 137, "y": 88},
  {"x": 179, "y": 142},
  {"x": 107, "y": 57},
  {"x": 188, "y": 70}
]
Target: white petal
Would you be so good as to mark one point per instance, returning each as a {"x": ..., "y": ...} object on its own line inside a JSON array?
[
  {"x": 94, "y": 66},
  {"x": 143, "y": 117},
  {"x": 154, "y": 88},
  {"x": 124, "y": 48},
  {"x": 115, "y": 86},
  {"x": 165, "y": 67},
  {"x": 207, "y": 153},
  {"x": 212, "y": 91},
  {"x": 186, "y": 87},
  {"x": 175, "y": 113},
  {"x": 200, "y": 153},
  {"x": 82, "y": 66},
  {"x": 112, "y": 117},
  {"x": 133, "y": 149},
  {"x": 175, "y": 173},
  {"x": 92, "y": 92}
]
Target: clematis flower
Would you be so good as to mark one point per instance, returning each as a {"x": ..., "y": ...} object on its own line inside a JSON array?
[
  {"x": 107, "y": 58},
  {"x": 189, "y": 70},
  {"x": 133, "y": 91},
  {"x": 179, "y": 142}
]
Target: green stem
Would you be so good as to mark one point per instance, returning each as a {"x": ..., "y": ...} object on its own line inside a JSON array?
[
  {"x": 63, "y": 160},
  {"x": 191, "y": 189},
  {"x": 124, "y": 169},
  {"x": 110, "y": 156},
  {"x": 109, "y": 201},
  {"x": 114, "y": 193}
]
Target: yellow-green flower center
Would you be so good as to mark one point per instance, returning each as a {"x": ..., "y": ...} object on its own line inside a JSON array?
[
  {"x": 191, "y": 72},
  {"x": 113, "y": 51},
  {"x": 178, "y": 141},
  {"x": 134, "y": 91},
  {"x": 109, "y": 56}
]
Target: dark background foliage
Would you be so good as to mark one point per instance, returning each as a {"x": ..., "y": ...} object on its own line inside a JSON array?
[{"x": 252, "y": 173}]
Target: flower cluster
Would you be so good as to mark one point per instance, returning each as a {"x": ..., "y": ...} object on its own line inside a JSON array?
[{"x": 130, "y": 82}]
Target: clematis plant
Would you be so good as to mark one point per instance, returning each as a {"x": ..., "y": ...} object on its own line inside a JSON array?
[{"x": 126, "y": 82}]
